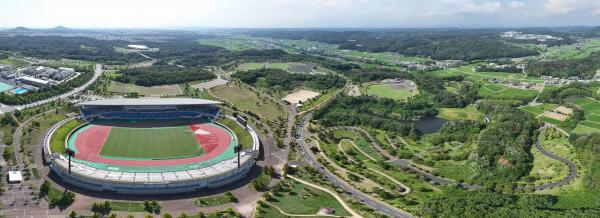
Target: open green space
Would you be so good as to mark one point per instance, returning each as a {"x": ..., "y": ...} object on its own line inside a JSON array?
[
  {"x": 212, "y": 201},
  {"x": 57, "y": 142},
  {"x": 489, "y": 91},
  {"x": 301, "y": 199},
  {"x": 162, "y": 90},
  {"x": 248, "y": 100},
  {"x": 538, "y": 109},
  {"x": 468, "y": 113},
  {"x": 14, "y": 62},
  {"x": 127, "y": 206},
  {"x": 360, "y": 142},
  {"x": 388, "y": 91},
  {"x": 155, "y": 143},
  {"x": 574, "y": 51},
  {"x": 243, "y": 136}
]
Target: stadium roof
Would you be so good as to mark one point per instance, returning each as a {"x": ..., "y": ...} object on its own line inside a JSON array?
[{"x": 149, "y": 102}]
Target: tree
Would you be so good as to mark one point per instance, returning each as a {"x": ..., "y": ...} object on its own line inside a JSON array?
[
  {"x": 231, "y": 197},
  {"x": 73, "y": 214}
]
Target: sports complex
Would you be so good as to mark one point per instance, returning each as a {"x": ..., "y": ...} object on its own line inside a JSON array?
[{"x": 150, "y": 146}]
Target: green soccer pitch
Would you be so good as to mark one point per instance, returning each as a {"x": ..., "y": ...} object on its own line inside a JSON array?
[{"x": 151, "y": 143}]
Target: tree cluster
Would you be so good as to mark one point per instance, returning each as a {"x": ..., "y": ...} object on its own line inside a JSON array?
[
  {"x": 380, "y": 113},
  {"x": 563, "y": 68},
  {"x": 467, "y": 92},
  {"x": 160, "y": 74},
  {"x": 282, "y": 80}
]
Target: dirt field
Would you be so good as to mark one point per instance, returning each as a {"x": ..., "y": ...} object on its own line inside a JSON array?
[
  {"x": 555, "y": 116},
  {"x": 300, "y": 96}
]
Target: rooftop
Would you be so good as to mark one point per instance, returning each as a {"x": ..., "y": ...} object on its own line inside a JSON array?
[
  {"x": 15, "y": 176},
  {"x": 148, "y": 102}
]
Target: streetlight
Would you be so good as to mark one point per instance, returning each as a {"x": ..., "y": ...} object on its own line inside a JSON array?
[
  {"x": 70, "y": 153},
  {"x": 238, "y": 149}
]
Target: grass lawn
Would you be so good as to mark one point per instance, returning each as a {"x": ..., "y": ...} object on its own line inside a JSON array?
[
  {"x": 243, "y": 136},
  {"x": 117, "y": 87},
  {"x": 325, "y": 96},
  {"x": 127, "y": 206},
  {"x": 301, "y": 199},
  {"x": 387, "y": 91},
  {"x": 581, "y": 129},
  {"x": 168, "y": 142},
  {"x": 245, "y": 99},
  {"x": 539, "y": 109},
  {"x": 454, "y": 169},
  {"x": 212, "y": 201},
  {"x": 36, "y": 173},
  {"x": 14, "y": 62},
  {"x": 360, "y": 142},
  {"x": 494, "y": 92},
  {"x": 57, "y": 142},
  {"x": 467, "y": 113},
  {"x": 546, "y": 169}
]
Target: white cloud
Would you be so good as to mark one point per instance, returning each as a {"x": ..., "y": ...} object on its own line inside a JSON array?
[
  {"x": 597, "y": 11},
  {"x": 516, "y": 5},
  {"x": 486, "y": 7},
  {"x": 558, "y": 7}
]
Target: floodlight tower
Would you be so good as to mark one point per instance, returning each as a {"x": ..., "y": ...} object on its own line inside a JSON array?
[{"x": 70, "y": 153}]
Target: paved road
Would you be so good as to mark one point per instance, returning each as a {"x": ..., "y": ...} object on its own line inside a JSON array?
[
  {"x": 362, "y": 197},
  {"x": 97, "y": 73},
  {"x": 565, "y": 180}
]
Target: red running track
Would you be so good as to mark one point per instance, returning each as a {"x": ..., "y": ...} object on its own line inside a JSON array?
[{"x": 89, "y": 144}]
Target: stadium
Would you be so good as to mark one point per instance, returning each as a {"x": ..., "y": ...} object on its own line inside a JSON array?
[{"x": 150, "y": 146}]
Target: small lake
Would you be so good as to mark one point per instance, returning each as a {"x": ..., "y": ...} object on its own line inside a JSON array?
[{"x": 428, "y": 124}]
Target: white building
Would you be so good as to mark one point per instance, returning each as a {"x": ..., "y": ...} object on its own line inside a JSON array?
[{"x": 15, "y": 177}]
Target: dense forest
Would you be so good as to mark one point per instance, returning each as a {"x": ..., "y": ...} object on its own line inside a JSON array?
[
  {"x": 460, "y": 131},
  {"x": 436, "y": 44},
  {"x": 462, "y": 203},
  {"x": 160, "y": 74},
  {"x": 583, "y": 68},
  {"x": 380, "y": 113},
  {"x": 467, "y": 93},
  {"x": 278, "y": 79},
  {"x": 561, "y": 94},
  {"x": 57, "y": 47},
  {"x": 45, "y": 93},
  {"x": 587, "y": 148},
  {"x": 503, "y": 150}
]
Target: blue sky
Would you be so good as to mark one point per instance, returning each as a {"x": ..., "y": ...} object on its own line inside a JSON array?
[{"x": 297, "y": 13}]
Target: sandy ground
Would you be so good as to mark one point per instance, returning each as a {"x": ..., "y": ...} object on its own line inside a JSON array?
[
  {"x": 300, "y": 96},
  {"x": 354, "y": 91},
  {"x": 563, "y": 110},
  {"x": 555, "y": 115}
]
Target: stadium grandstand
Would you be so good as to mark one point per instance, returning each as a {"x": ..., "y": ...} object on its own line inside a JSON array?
[
  {"x": 150, "y": 108},
  {"x": 150, "y": 146}
]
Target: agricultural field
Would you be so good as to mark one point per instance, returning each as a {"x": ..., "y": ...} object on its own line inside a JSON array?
[
  {"x": 293, "y": 67},
  {"x": 591, "y": 107},
  {"x": 163, "y": 90},
  {"x": 387, "y": 90},
  {"x": 248, "y": 100},
  {"x": 538, "y": 109},
  {"x": 575, "y": 51},
  {"x": 234, "y": 43},
  {"x": 494, "y": 91},
  {"x": 468, "y": 113},
  {"x": 471, "y": 75}
]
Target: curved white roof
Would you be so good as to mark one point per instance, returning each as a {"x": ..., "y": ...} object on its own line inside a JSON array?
[{"x": 149, "y": 102}]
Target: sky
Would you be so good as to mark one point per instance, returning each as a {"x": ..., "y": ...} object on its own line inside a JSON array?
[{"x": 297, "y": 13}]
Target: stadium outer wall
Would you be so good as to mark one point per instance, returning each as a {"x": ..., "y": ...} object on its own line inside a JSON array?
[{"x": 185, "y": 181}]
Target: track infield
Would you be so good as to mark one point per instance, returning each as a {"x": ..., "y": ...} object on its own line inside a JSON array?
[
  {"x": 153, "y": 146},
  {"x": 151, "y": 143}
]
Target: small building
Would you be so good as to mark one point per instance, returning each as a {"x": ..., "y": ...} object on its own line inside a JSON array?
[
  {"x": 14, "y": 177},
  {"x": 40, "y": 83}
]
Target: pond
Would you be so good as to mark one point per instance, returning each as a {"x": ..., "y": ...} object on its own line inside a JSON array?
[{"x": 428, "y": 124}]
